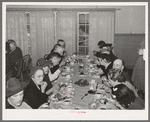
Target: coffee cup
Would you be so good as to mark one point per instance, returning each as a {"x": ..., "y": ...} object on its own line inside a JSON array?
[{"x": 67, "y": 102}]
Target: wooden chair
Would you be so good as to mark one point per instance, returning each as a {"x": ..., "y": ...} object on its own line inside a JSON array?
[
  {"x": 15, "y": 71},
  {"x": 26, "y": 66},
  {"x": 11, "y": 73}
]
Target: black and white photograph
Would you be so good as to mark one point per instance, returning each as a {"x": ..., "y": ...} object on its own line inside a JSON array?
[{"x": 75, "y": 61}]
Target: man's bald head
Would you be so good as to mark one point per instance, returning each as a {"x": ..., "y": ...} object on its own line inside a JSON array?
[{"x": 118, "y": 64}]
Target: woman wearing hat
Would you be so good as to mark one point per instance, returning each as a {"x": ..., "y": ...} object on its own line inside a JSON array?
[
  {"x": 14, "y": 94},
  {"x": 35, "y": 92}
]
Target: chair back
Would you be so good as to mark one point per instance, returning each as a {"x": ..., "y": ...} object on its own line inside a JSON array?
[
  {"x": 45, "y": 56},
  {"x": 11, "y": 73},
  {"x": 15, "y": 70},
  {"x": 18, "y": 67},
  {"x": 27, "y": 63}
]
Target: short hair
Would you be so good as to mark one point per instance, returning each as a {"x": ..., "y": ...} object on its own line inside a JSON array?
[
  {"x": 124, "y": 95},
  {"x": 101, "y": 43},
  {"x": 106, "y": 56},
  {"x": 56, "y": 46},
  {"x": 60, "y": 40},
  {"x": 54, "y": 54},
  {"x": 10, "y": 41},
  {"x": 116, "y": 75}
]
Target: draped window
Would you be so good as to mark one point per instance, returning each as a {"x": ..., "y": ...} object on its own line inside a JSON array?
[
  {"x": 16, "y": 29},
  {"x": 66, "y": 29},
  {"x": 101, "y": 27},
  {"x": 42, "y": 33},
  {"x": 46, "y": 27}
]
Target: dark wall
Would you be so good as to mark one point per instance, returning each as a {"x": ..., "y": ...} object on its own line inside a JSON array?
[{"x": 126, "y": 47}]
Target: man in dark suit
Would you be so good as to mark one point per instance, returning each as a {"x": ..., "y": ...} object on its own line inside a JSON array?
[{"x": 106, "y": 62}]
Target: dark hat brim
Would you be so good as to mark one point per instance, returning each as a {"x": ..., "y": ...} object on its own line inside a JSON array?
[
  {"x": 98, "y": 54},
  {"x": 107, "y": 45},
  {"x": 34, "y": 69},
  {"x": 22, "y": 87}
]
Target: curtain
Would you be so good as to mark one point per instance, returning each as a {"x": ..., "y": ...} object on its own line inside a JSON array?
[
  {"x": 16, "y": 29},
  {"x": 42, "y": 33},
  {"x": 66, "y": 29},
  {"x": 101, "y": 27}
]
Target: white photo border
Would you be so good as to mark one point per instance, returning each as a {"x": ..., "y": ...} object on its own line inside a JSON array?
[{"x": 42, "y": 114}]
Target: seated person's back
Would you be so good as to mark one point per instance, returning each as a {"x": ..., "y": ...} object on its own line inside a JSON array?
[{"x": 15, "y": 53}]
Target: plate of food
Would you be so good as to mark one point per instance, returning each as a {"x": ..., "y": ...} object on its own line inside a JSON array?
[
  {"x": 82, "y": 74},
  {"x": 103, "y": 101},
  {"x": 82, "y": 83},
  {"x": 59, "y": 97},
  {"x": 64, "y": 74},
  {"x": 94, "y": 104}
]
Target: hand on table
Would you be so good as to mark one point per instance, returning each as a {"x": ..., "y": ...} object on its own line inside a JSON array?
[{"x": 44, "y": 106}]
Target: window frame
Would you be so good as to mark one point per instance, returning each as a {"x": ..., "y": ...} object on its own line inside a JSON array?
[{"x": 85, "y": 46}]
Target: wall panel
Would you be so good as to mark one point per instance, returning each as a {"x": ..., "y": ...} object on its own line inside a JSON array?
[{"x": 126, "y": 47}]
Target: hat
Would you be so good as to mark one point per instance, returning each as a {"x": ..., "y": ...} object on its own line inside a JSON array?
[
  {"x": 34, "y": 69},
  {"x": 98, "y": 54},
  {"x": 42, "y": 62},
  {"x": 14, "y": 86},
  {"x": 107, "y": 45},
  {"x": 101, "y": 43}
]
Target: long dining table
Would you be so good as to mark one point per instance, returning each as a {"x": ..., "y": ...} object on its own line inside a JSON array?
[{"x": 81, "y": 98}]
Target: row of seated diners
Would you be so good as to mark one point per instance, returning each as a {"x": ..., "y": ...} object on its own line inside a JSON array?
[{"x": 35, "y": 93}]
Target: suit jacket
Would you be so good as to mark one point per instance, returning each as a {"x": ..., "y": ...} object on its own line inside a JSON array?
[
  {"x": 107, "y": 69},
  {"x": 33, "y": 96},
  {"x": 54, "y": 68}
]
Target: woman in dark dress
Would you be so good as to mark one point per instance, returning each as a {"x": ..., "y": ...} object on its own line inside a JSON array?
[{"x": 35, "y": 92}]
